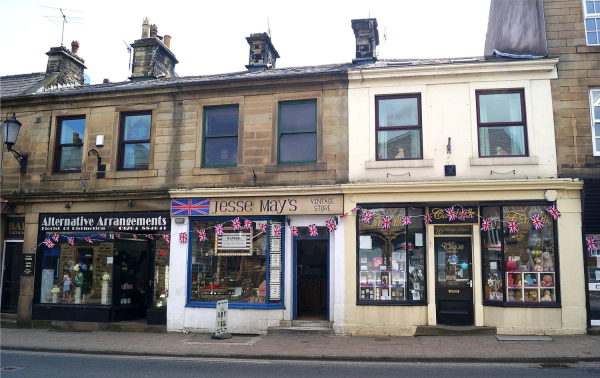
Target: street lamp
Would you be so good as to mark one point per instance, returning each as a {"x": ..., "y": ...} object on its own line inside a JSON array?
[{"x": 11, "y": 131}]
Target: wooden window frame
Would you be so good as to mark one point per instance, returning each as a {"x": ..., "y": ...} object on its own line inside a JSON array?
[
  {"x": 122, "y": 141},
  {"x": 59, "y": 146},
  {"x": 419, "y": 125},
  {"x": 280, "y": 133},
  {"x": 522, "y": 123},
  {"x": 204, "y": 136}
]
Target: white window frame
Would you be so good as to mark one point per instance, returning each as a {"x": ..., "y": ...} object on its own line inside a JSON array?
[
  {"x": 587, "y": 16},
  {"x": 595, "y": 138}
]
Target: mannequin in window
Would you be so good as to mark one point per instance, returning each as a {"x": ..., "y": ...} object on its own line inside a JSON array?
[
  {"x": 500, "y": 151},
  {"x": 400, "y": 154}
]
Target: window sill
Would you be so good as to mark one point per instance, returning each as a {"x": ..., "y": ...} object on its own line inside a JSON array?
[
  {"x": 255, "y": 306},
  {"x": 218, "y": 171},
  {"x": 131, "y": 174},
  {"x": 491, "y": 161},
  {"x": 417, "y": 163},
  {"x": 274, "y": 168},
  {"x": 66, "y": 176}
]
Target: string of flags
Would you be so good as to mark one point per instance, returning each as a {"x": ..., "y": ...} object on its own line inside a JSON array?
[{"x": 55, "y": 238}]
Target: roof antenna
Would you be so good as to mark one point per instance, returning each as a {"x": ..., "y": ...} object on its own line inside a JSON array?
[
  {"x": 129, "y": 51},
  {"x": 64, "y": 20},
  {"x": 268, "y": 28}
]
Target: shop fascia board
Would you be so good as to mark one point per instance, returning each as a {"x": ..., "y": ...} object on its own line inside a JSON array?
[
  {"x": 257, "y": 192},
  {"x": 545, "y": 68}
]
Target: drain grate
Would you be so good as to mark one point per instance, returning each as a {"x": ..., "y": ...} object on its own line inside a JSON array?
[
  {"x": 11, "y": 368},
  {"x": 554, "y": 366}
]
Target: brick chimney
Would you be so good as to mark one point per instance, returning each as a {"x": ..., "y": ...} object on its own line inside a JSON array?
[
  {"x": 367, "y": 40},
  {"x": 66, "y": 65},
  {"x": 151, "y": 57},
  {"x": 262, "y": 52}
]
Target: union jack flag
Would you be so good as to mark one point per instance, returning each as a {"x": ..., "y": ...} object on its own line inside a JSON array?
[
  {"x": 513, "y": 228},
  {"x": 247, "y": 224},
  {"x": 88, "y": 239},
  {"x": 386, "y": 222},
  {"x": 294, "y": 230},
  {"x": 367, "y": 216},
  {"x": 236, "y": 224},
  {"x": 312, "y": 230},
  {"x": 71, "y": 241},
  {"x": 427, "y": 218},
  {"x": 167, "y": 238},
  {"x": 219, "y": 229},
  {"x": 406, "y": 221},
  {"x": 486, "y": 224},
  {"x": 553, "y": 210},
  {"x": 56, "y": 237},
  {"x": 263, "y": 228},
  {"x": 103, "y": 235},
  {"x": 190, "y": 207},
  {"x": 355, "y": 209},
  {"x": 537, "y": 222},
  {"x": 183, "y": 237},
  {"x": 202, "y": 235},
  {"x": 331, "y": 226},
  {"x": 48, "y": 243},
  {"x": 592, "y": 244},
  {"x": 150, "y": 236},
  {"x": 343, "y": 215},
  {"x": 118, "y": 235},
  {"x": 464, "y": 213},
  {"x": 451, "y": 213},
  {"x": 277, "y": 231},
  {"x": 134, "y": 236}
]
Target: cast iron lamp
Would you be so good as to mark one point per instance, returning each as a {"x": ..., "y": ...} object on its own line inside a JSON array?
[{"x": 11, "y": 131}]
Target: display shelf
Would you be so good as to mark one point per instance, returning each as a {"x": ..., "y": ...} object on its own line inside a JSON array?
[{"x": 530, "y": 286}]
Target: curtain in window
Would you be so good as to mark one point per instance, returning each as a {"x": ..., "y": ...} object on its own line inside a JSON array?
[
  {"x": 415, "y": 145},
  {"x": 484, "y": 134}
]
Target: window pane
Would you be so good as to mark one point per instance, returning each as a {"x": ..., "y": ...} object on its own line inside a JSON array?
[
  {"x": 136, "y": 155},
  {"x": 492, "y": 255},
  {"x": 502, "y": 141},
  {"x": 398, "y": 112},
  {"x": 236, "y": 275},
  {"x": 597, "y": 130},
  {"x": 70, "y": 158},
  {"x": 597, "y": 144},
  {"x": 589, "y": 5},
  {"x": 220, "y": 151},
  {"x": 597, "y": 3},
  {"x": 298, "y": 116},
  {"x": 592, "y": 38},
  {"x": 597, "y": 23},
  {"x": 298, "y": 147},
  {"x": 72, "y": 131},
  {"x": 137, "y": 127},
  {"x": 399, "y": 144},
  {"x": 501, "y": 107},
  {"x": 590, "y": 24},
  {"x": 222, "y": 121},
  {"x": 529, "y": 256}
]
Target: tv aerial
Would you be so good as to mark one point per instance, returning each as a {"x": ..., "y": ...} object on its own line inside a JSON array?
[{"x": 64, "y": 18}]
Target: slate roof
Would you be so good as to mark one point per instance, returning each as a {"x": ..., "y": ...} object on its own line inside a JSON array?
[{"x": 16, "y": 85}]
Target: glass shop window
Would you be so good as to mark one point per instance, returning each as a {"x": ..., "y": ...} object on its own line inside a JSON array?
[{"x": 391, "y": 262}]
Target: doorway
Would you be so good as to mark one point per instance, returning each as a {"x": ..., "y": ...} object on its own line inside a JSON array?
[
  {"x": 11, "y": 285},
  {"x": 311, "y": 279},
  {"x": 454, "y": 281}
]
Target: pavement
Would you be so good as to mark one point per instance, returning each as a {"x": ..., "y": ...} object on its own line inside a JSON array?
[{"x": 475, "y": 348}]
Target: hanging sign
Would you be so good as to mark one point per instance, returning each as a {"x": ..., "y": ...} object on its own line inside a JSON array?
[{"x": 234, "y": 243}]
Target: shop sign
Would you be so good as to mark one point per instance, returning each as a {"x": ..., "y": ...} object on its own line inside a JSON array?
[
  {"x": 28, "y": 264},
  {"x": 440, "y": 217},
  {"x": 238, "y": 243},
  {"x": 221, "y": 324},
  {"x": 15, "y": 228},
  {"x": 134, "y": 221},
  {"x": 284, "y": 205},
  {"x": 452, "y": 230}
]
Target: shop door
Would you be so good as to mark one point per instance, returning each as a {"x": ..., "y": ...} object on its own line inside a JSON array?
[
  {"x": 454, "y": 281},
  {"x": 12, "y": 276},
  {"x": 593, "y": 264},
  {"x": 311, "y": 279}
]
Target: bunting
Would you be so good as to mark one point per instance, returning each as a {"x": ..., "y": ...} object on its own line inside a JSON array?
[{"x": 331, "y": 226}]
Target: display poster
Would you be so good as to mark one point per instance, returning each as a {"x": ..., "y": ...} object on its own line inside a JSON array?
[
  {"x": 366, "y": 242},
  {"x": 418, "y": 239},
  {"x": 221, "y": 324},
  {"x": 275, "y": 269},
  {"x": 28, "y": 264}
]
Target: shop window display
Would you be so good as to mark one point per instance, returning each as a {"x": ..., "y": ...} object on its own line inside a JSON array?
[
  {"x": 161, "y": 274},
  {"x": 232, "y": 266},
  {"x": 391, "y": 262},
  {"x": 492, "y": 256}
]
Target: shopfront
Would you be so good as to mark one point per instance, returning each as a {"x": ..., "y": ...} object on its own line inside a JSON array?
[
  {"x": 102, "y": 267},
  {"x": 268, "y": 256},
  {"x": 12, "y": 263}
]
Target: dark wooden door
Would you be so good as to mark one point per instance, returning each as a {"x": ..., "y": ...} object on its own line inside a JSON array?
[
  {"x": 454, "y": 281},
  {"x": 12, "y": 276},
  {"x": 311, "y": 276}
]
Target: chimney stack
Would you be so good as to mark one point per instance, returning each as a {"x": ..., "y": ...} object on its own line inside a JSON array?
[
  {"x": 262, "y": 52},
  {"x": 367, "y": 40},
  {"x": 167, "y": 40},
  {"x": 66, "y": 66},
  {"x": 151, "y": 57},
  {"x": 74, "y": 47}
]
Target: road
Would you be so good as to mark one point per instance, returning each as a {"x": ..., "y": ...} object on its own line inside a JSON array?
[{"x": 40, "y": 365}]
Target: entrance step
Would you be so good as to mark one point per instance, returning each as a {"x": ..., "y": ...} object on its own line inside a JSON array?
[
  {"x": 302, "y": 327},
  {"x": 443, "y": 330},
  {"x": 312, "y": 323},
  {"x": 594, "y": 330},
  {"x": 107, "y": 327},
  {"x": 8, "y": 316}
]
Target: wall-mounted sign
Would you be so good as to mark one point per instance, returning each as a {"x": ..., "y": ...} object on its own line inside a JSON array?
[
  {"x": 28, "y": 264},
  {"x": 440, "y": 216},
  {"x": 452, "y": 230},
  {"x": 320, "y": 204},
  {"x": 15, "y": 228},
  {"x": 134, "y": 221}
]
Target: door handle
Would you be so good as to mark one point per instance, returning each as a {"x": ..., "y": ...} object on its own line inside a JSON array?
[{"x": 470, "y": 283}]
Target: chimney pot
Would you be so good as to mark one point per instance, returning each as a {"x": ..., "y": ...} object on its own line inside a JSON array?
[
  {"x": 167, "y": 40},
  {"x": 146, "y": 28},
  {"x": 105, "y": 81},
  {"x": 151, "y": 58},
  {"x": 367, "y": 40},
  {"x": 74, "y": 47},
  {"x": 153, "y": 31}
]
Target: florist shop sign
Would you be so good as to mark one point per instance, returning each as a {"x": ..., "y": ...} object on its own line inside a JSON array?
[{"x": 134, "y": 221}]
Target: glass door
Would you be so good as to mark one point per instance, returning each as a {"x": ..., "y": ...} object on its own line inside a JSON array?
[{"x": 454, "y": 281}]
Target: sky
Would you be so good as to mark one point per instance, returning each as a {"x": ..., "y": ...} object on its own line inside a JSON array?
[{"x": 208, "y": 37}]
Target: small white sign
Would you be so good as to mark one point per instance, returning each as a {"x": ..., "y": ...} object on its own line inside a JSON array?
[
  {"x": 418, "y": 240},
  {"x": 222, "y": 310},
  {"x": 234, "y": 241},
  {"x": 493, "y": 265},
  {"x": 366, "y": 242},
  {"x": 109, "y": 260}
]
